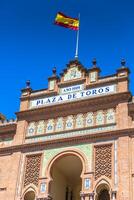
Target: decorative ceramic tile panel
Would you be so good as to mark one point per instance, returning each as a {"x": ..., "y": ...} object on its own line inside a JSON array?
[
  {"x": 69, "y": 123},
  {"x": 73, "y": 133},
  {"x": 110, "y": 116},
  {"x": 41, "y": 127},
  {"x": 79, "y": 121},
  {"x": 89, "y": 119},
  {"x": 73, "y": 73},
  {"x": 31, "y": 129},
  {"x": 100, "y": 118},
  {"x": 93, "y": 76},
  {"x": 51, "y": 153},
  {"x": 51, "y": 85},
  {"x": 43, "y": 187},
  {"x": 59, "y": 124},
  {"x": 50, "y": 126},
  {"x": 87, "y": 183}
]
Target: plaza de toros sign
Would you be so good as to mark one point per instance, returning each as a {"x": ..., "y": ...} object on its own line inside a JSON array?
[{"x": 73, "y": 96}]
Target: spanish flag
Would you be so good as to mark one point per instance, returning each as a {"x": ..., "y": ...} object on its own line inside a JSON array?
[{"x": 67, "y": 22}]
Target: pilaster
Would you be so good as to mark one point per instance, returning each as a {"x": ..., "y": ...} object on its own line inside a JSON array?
[{"x": 123, "y": 168}]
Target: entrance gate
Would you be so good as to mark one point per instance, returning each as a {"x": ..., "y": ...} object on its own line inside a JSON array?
[
  {"x": 102, "y": 192},
  {"x": 66, "y": 181},
  {"x": 29, "y": 196},
  {"x": 104, "y": 195}
]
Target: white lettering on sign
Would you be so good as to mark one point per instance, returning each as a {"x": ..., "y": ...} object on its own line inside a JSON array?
[
  {"x": 74, "y": 96},
  {"x": 71, "y": 89}
]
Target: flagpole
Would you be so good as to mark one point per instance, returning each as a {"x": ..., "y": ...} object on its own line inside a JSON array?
[{"x": 77, "y": 39}]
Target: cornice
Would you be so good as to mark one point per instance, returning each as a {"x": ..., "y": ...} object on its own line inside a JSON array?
[
  {"x": 103, "y": 82},
  {"x": 47, "y": 93},
  {"x": 81, "y": 106},
  {"x": 39, "y": 95},
  {"x": 107, "y": 135},
  {"x": 122, "y": 69}
]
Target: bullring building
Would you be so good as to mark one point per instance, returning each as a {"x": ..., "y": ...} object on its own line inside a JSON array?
[{"x": 71, "y": 141}]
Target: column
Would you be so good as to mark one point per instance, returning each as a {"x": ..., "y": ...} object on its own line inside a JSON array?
[
  {"x": 87, "y": 196},
  {"x": 91, "y": 196},
  {"x": 82, "y": 195},
  {"x": 113, "y": 195}
]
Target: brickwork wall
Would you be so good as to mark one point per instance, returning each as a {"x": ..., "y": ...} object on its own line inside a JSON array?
[
  {"x": 9, "y": 165},
  {"x": 122, "y": 116},
  {"x": 123, "y": 169},
  {"x": 20, "y": 132}
]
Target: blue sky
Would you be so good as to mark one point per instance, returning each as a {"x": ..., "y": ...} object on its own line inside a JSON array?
[{"x": 31, "y": 45}]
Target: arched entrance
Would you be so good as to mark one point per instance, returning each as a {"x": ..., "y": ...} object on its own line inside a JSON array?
[
  {"x": 30, "y": 195},
  {"x": 104, "y": 195},
  {"x": 103, "y": 192},
  {"x": 66, "y": 178}
]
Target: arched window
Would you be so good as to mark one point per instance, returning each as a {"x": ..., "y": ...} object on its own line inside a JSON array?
[
  {"x": 102, "y": 192},
  {"x": 104, "y": 195}
]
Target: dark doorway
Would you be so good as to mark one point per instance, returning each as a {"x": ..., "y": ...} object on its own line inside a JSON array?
[
  {"x": 29, "y": 196},
  {"x": 103, "y": 195}
]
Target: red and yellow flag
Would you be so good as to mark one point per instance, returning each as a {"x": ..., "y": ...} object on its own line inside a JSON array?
[{"x": 67, "y": 22}]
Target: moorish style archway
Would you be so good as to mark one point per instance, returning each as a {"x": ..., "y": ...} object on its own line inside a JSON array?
[
  {"x": 103, "y": 190},
  {"x": 104, "y": 195},
  {"x": 30, "y": 195},
  {"x": 29, "y": 192},
  {"x": 66, "y": 175},
  {"x": 66, "y": 171}
]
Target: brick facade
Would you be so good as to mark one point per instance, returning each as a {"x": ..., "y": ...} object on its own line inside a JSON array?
[{"x": 98, "y": 129}]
